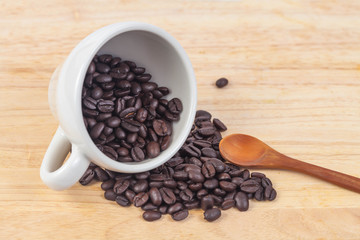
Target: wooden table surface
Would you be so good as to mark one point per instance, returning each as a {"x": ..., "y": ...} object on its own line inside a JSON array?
[{"x": 294, "y": 71}]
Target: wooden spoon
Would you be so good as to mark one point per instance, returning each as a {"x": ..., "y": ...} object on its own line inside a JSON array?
[{"x": 245, "y": 150}]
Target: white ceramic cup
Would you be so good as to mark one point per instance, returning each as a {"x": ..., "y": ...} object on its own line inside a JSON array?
[{"x": 146, "y": 45}]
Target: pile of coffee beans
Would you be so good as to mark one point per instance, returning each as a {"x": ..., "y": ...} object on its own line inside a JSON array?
[
  {"x": 221, "y": 82},
  {"x": 196, "y": 177},
  {"x": 124, "y": 112}
]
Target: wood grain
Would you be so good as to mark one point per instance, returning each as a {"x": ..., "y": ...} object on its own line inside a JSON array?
[{"x": 294, "y": 71}]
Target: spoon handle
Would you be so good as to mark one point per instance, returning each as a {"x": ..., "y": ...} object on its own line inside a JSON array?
[{"x": 340, "y": 179}]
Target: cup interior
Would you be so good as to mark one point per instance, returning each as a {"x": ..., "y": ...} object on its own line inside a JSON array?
[{"x": 169, "y": 66}]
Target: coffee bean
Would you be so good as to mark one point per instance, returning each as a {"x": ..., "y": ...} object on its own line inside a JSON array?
[
  {"x": 155, "y": 196},
  {"x": 140, "y": 199},
  {"x": 180, "y": 215},
  {"x": 218, "y": 164},
  {"x": 106, "y": 58},
  {"x": 103, "y": 78},
  {"x": 137, "y": 154},
  {"x": 203, "y": 113},
  {"x": 110, "y": 152},
  {"x": 186, "y": 195},
  {"x": 208, "y": 170},
  {"x": 273, "y": 195},
  {"x": 91, "y": 68},
  {"x": 121, "y": 186},
  {"x": 102, "y": 68},
  {"x": 109, "y": 184},
  {"x": 259, "y": 194},
  {"x": 143, "y": 77},
  {"x": 87, "y": 177},
  {"x": 241, "y": 201},
  {"x": 208, "y": 152},
  {"x": 122, "y": 201},
  {"x": 110, "y": 195},
  {"x": 245, "y": 174},
  {"x": 167, "y": 195},
  {"x": 130, "y": 126},
  {"x": 227, "y": 186},
  {"x": 160, "y": 127},
  {"x": 175, "y": 208},
  {"x": 196, "y": 176},
  {"x": 165, "y": 143},
  {"x": 207, "y": 202},
  {"x": 148, "y": 206},
  {"x": 221, "y": 82},
  {"x": 227, "y": 204},
  {"x": 266, "y": 182},
  {"x": 219, "y": 125},
  {"x": 152, "y": 149},
  {"x": 258, "y": 175},
  {"x": 212, "y": 214},
  {"x": 175, "y": 106},
  {"x": 151, "y": 215},
  {"x": 249, "y": 186},
  {"x": 211, "y": 183}
]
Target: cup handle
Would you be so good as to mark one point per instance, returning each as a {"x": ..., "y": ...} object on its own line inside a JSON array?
[{"x": 53, "y": 172}]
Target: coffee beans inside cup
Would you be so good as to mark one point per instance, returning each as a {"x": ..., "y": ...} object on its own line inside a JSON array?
[
  {"x": 126, "y": 113},
  {"x": 196, "y": 177}
]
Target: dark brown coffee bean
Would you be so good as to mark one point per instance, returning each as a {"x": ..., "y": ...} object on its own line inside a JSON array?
[
  {"x": 91, "y": 68},
  {"x": 102, "y": 68},
  {"x": 103, "y": 78},
  {"x": 113, "y": 122},
  {"x": 237, "y": 180},
  {"x": 143, "y": 77},
  {"x": 249, "y": 186},
  {"x": 152, "y": 149},
  {"x": 138, "y": 70},
  {"x": 224, "y": 176},
  {"x": 221, "y": 82},
  {"x": 114, "y": 62},
  {"x": 259, "y": 194},
  {"x": 218, "y": 164},
  {"x": 181, "y": 176},
  {"x": 105, "y": 58},
  {"x": 135, "y": 88},
  {"x": 180, "y": 215},
  {"x": 156, "y": 184},
  {"x": 155, "y": 196},
  {"x": 175, "y": 106},
  {"x": 227, "y": 204},
  {"x": 122, "y": 201},
  {"x": 105, "y": 106},
  {"x": 167, "y": 195},
  {"x": 87, "y": 177},
  {"x": 148, "y": 86},
  {"x": 151, "y": 215},
  {"x": 90, "y": 103},
  {"x": 165, "y": 142},
  {"x": 140, "y": 199},
  {"x": 97, "y": 130},
  {"x": 170, "y": 183},
  {"x": 257, "y": 175},
  {"x": 171, "y": 116},
  {"x": 196, "y": 176},
  {"x": 130, "y": 125},
  {"x": 227, "y": 186},
  {"x": 203, "y": 113},
  {"x": 137, "y": 154},
  {"x": 235, "y": 173},
  {"x": 88, "y": 80},
  {"x": 121, "y": 186},
  {"x": 208, "y": 152},
  {"x": 110, "y": 195},
  {"x": 108, "y": 87},
  {"x": 109, "y": 184},
  {"x": 110, "y": 152},
  {"x": 160, "y": 127},
  {"x": 207, "y": 202},
  {"x": 175, "y": 208},
  {"x": 141, "y": 115},
  {"x": 211, "y": 183},
  {"x": 202, "y": 143},
  {"x": 157, "y": 177},
  {"x": 266, "y": 182},
  {"x": 208, "y": 170},
  {"x": 273, "y": 194},
  {"x": 149, "y": 206},
  {"x": 122, "y": 152},
  {"x": 241, "y": 201},
  {"x": 192, "y": 151},
  {"x": 186, "y": 195},
  {"x": 219, "y": 192},
  {"x": 140, "y": 186},
  {"x": 219, "y": 125},
  {"x": 206, "y": 131},
  {"x": 212, "y": 214},
  {"x": 245, "y": 174},
  {"x": 157, "y": 94}
]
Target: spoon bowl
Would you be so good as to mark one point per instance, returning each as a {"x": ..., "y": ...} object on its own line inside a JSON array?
[{"x": 248, "y": 151}]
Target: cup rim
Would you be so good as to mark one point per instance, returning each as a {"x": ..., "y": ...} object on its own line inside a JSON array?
[{"x": 103, "y": 35}]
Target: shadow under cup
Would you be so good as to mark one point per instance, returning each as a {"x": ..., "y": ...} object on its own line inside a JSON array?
[{"x": 169, "y": 66}]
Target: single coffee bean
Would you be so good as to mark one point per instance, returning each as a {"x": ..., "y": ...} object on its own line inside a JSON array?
[
  {"x": 140, "y": 199},
  {"x": 186, "y": 195},
  {"x": 175, "y": 208},
  {"x": 121, "y": 186},
  {"x": 148, "y": 206},
  {"x": 100, "y": 174},
  {"x": 235, "y": 173},
  {"x": 163, "y": 209},
  {"x": 122, "y": 201},
  {"x": 207, "y": 202},
  {"x": 241, "y": 201},
  {"x": 258, "y": 175},
  {"x": 208, "y": 152},
  {"x": 142, "y": 175},
  {"x": 110, "y": 195},
  {"x": 156, "y": 184},
  {"x": 259, "y": 194},
  {"x": 87, "y": 177},
  {"x": 165, "y": 142},
  {"x": 195, "y": 186},
  {"x": 218, "y": 164},
  {"x": 203, "y": 113},
  {"x": 152, "y": 149},
  {"x": 219, "y": 125},
  {"x": 102, "y": 68},
  {"x": 138, "y": 70},
  {"x": 129, "y": 194},
  {"x": 193, "y": 204},
  {"x": 143, "y": 77},
  {"x": 196, "y": 176},
  {"x": 237, "y": 180},
  {"x": 137, "y": 154},
  {"x": 160, "y": 127},
  {"x": 167, "y": 195},
  {"x": 114, "y": 62},
  {"x": 155, "y": 196},
  {"x": 227, "y": 204},
  {"x": 175, "y": 106},
  {"x": 227, "y": 186},
  {"x": 103, "y": 78},
  {"x": 91, "y": 68},
  {"x": 266, "y": 182},
  {"x": 109, "y": 184},
  {"x": 212, "y": 214},
  {"x": 245, "y": 174},
  {"x": 249, "y": 186},
  {"x": 140, "y": 186},
  {"x": 221, "y": 82},
  {"x": 113, "y": 122},
  {"x": 180, "y": 215},
  {"x": 151, "y": 215},
  {"x": 105, "y": 58},
  {"x": 272, "y": 195}
]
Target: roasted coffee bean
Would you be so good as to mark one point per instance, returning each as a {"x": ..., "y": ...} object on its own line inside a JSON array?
[
  {"x": 171, "y": 116},
  {"x": 100, "y": 174},
  {"x": 108, "y": 87},
  {"x": 245, "y": 174},
  {"x": 227, "y": 186},
  {"x": 203, "y": 113},
  {"x": 249, "y": 186},
  {"x": 207, "y": 202},
  {"x": 102, "y": 68},
  {"x": 155, "y": 196},
  {"x": 91, "y": 68},
  {"x": 141, "y": 115},
  {"x": 120, "y": 133},
  {"x": 219, "y": 125},
  {"x": 258, "y": 175},
  {"x": 160, "y": 127},
  {"x": 138, "y": 70},
  {"x": 110, "y": 195},
  {"x": 221, "y": 82},
  {"x": 241, "y": 201},
  {"x": 140, "y": 186},
  {"x": 148, "y": 206},
  {"x": 151, "y": 215},
  {"x": 143, "y": 77},
  {"x": 114, "y": 62},
  {"x": 235, "y": 173},
  {"x": 181, "y": 175},
  {"x": 186, "y": 195},
  {"x": 266, "y": 182},
  {"x": 218, "y": 164},
  {"x": 195, "y": 186},
  {"x": 103, "y": 78},
  {"x": 122, "y": 200},
  {"x": 196, "y": 176},
  {"x": 109, "y": 184},
  {"x": 211, "y": 183},
  {"x": 212, "y": 214},
  {"x": 208, "y": 152},
  {"x": 157, "y": 177},
  {"x": 110, "y": 152},
  {"x": 202, "y": 143},
  {"x": 208, "y": 170},
  {"x": 156, "y": 184},
  {"x": 122, "y": 152},
  {"x": 170, "y": 183},
  {"x": 140, "y": 199},
  {"x": 273, "y": 195},
  {"x": 137, "y": 154},
  {"x": 121, "y": 186},
  {"x": 165, "y": 142},
  {"x": 224, "y": 176},
  {"x": 148, "y": 86},
  {"x": 180, "y": 215},
  {"x": 105, "y": 106},
  {"x": 90, "y": 103},
  {"x": 105, "y": 58},
  {"x": 152, "y": 149},
  {"x": 87, "y": 177},
  {"x": 142, "y": 175},
  {"x": 175, "y": 208},
  {"x": 237, "y": 180},
  {"x": 132, "y": 137},
  {"x": 259, "y": 194},
  {"x": 192, "y": 151},
  {"x": 219, "y": 192},
  {"x": 167, "y": 195},
  {"x": 163, "y": 209},
  {"x": 227, "y": 204},
  {"x": 129, "y": 126},
  {"x": 175, "y": 106}
]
